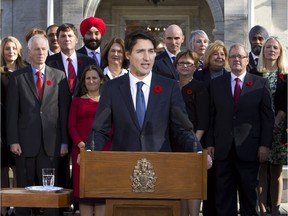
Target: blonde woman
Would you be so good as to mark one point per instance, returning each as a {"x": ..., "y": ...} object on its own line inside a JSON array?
[
  {"x": 11, "y": 60},
  {"x": 198, "y": 42},
  {"x": 272, "y": 66}
]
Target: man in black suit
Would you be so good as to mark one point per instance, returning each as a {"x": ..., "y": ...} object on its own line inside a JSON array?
[
  {"x": 165, "y": 62},
  {"x": 67, "y": 37},
  {"x": 92, "y": 30},
  {"x": 36, "y": 117},
  {"x": 148, "y": 104},
  {"x": 240, "y": 134},
  {"x": 257, "y": 37}
]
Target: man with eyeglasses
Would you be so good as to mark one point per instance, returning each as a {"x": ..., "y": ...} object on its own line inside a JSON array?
[
  {"x": 257, "y": 36},
  {"x": 240, "y": 133}
]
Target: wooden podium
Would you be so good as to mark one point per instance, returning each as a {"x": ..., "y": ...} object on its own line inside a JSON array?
[{"x": 143, "y": 183}]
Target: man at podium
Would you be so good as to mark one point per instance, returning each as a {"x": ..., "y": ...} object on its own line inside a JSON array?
[{"x": 144, "y": 109}]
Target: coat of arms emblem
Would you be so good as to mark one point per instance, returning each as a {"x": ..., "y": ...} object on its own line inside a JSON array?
[{"x": 143, "y": 178}]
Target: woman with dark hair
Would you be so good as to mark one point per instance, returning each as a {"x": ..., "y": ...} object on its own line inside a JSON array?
[
  {"x": 114, "y": 61},
  {"x": 81, "y": 117}
]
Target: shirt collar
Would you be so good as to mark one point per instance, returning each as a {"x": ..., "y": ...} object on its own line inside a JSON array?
[
  {"x": 73, "y": 57},
  {"x": 107, "y": 72},
  {"x": 95, "y": 51},
  {"x": 241, "y": 77},
  {"x": 170, "y": 54},
  {"x": 34, "y": 70},
  {"x": 146, "y": 80}
]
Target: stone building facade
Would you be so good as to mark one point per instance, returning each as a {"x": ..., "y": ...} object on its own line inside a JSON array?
[{"x": 227, "y": 20}]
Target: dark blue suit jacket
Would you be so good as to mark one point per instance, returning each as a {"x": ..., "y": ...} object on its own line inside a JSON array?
[
  {"x": 55, "y": 61},
  {"x": 160, "y": 121},
  {"x": 164, "y": 67}
]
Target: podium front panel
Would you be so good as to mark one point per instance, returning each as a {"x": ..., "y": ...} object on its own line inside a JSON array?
[{"x": 176, "y": 175}]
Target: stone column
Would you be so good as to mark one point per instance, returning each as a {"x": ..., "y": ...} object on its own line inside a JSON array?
[{"x": 235, "y": 22}]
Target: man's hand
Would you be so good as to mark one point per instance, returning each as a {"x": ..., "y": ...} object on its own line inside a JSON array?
[
  {"x": 63, "y": 151},
  {"x": 263, "y": 153},
  {"x": 16, "y": 149},
  {"x": 209, "y": 161},
  {"x": 211, "y": 151}
]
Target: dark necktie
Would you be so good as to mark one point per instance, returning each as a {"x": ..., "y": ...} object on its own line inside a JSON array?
[
  {"x": 256, "y": 61},
  {"x": 95, "y": 58},
  {"x": 173, "y": 60},
  {"x": 39, "y": 84},
  {"x": 237, "y": 92},
  {"x": 71, "y": 75},
  {"x": 140, "y": 104}
]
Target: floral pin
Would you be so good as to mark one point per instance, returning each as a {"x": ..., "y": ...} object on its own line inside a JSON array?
[
  {"x": 189, "y": 92},
  {"x": 157, "y": 89},
  {"x": 249, "y": 83},
  {"x": 49, "y": 82},
  {"x": 281, "y": 76},
  {"x": 80, "y": 61}
]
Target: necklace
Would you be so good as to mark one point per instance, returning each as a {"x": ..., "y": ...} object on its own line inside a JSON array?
[{"x": 95, "y": 98}]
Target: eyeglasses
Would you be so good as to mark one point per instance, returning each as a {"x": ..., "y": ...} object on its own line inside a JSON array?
[
  {"x": 237, "y": 56},
  {"x": 187, "y": 64}
]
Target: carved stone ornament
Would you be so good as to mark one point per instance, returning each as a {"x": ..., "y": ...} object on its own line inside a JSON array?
[{"x": 143, "y": 178}]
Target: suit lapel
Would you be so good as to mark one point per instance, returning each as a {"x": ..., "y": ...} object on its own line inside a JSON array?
[
  {"x": 30, "y": 80},
  {"x": 170, "y": 66},
  {"x": 228, "y": 90},
  {"x": 247, "y": 84},
  {"x": 47, "y": 87}
]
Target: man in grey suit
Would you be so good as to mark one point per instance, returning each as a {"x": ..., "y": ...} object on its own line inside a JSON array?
[
  {"x": 240, "y": 134},
  {"x": 165, "y": 62},
  {"x": 141, "y": 106},
  {"x": 35, "y": 113}
]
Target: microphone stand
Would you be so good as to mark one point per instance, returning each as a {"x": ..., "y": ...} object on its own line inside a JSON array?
[{"x": 93, "y": 142}]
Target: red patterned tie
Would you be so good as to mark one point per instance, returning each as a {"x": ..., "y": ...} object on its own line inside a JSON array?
[
  {"x": 71, "y": 75},
  {"x": 39, "y": 84},
  {"x": 237, "y": 92}
]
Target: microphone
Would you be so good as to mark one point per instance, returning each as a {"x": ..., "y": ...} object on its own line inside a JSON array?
[
  {"x": 98, "y": 123},
  {"x": 186, "y": 123}
]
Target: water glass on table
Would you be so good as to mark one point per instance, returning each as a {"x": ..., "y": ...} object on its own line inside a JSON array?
[{"x": 48, "y": 178}]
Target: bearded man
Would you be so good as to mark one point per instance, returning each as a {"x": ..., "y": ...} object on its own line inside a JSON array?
[
  {"x": 257, "y": 36},
  {"x": 92, "y": 30}
]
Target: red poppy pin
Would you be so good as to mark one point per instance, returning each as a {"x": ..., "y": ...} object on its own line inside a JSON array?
[
  {"x": 80, "y": 61},
  {"x": 189, "y": 92},
  {"x": 49, "y": 82},
  {"x": 281, "y": 76},
  {"x": 249, "y": 83},
  {"x": 157, "y": 89}
]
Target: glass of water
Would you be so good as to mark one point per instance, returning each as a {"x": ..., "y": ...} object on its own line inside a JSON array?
[{"x": 48, "y": 177}]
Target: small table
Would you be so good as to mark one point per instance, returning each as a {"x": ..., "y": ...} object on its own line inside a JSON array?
[{"x": 20, "y": 197}]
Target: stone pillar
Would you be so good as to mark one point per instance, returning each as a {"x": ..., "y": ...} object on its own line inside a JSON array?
[
  {"x": 71, "y": 11},
  {"x": 235, "y": 22}
]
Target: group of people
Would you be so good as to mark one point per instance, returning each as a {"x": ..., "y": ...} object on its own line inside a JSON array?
[{"x": 51, "y": 99}]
